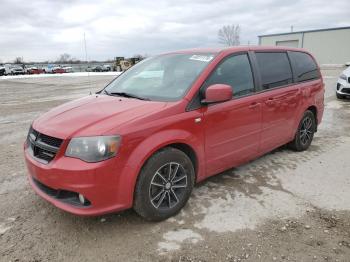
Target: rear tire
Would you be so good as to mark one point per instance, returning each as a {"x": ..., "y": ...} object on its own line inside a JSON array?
[
  {"x": 164, "y": 184},
  {"x": 305, "y": 132}
]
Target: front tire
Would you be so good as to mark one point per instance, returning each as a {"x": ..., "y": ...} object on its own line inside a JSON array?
[
  {"x": 305, "y": 132},
  {"x": 164, "y": 184}
]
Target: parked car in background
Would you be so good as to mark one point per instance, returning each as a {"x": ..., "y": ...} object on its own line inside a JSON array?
[
  {"x": 48, "y": 69},
  {"x": 106, "y": 68},
  {"x": 68, "y": 69},
  {"x": 17, "y": 70},
  {"x": 97, "y": 69},
  {"x": 2, "y": 70},
  {"x": 343, "y": 84},
  {"x": 169, "y": 122},
  {"x": 7, "y": 69},
  {"x": 58, "y": 70},
  {"x": 33, "y": 70}
]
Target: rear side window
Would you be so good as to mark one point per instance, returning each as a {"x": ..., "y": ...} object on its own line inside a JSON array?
[
  {"x": 236, "y": 72},
  {"x": 304, "y": 66},
  {"x": 274, "y": 69}
]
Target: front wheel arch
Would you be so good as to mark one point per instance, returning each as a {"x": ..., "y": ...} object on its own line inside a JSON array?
[
  {"x": 185, "y": 148},
  {"x": 136, "y": 159}
]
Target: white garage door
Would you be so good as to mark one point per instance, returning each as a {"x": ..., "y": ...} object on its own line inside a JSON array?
[{"x": 289, "y": 43}]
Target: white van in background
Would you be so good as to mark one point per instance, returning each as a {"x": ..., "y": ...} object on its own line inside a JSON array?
[
  {"x": 343, "y": 84},
  {"x": 2, "y": 70},
  {"x": 13, "y": 69}
]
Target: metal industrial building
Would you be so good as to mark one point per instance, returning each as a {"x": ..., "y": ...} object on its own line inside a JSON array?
[{"x": 329, "y": 46}]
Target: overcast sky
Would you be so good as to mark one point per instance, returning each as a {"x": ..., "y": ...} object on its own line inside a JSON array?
[{"x": 42, "y": 30}]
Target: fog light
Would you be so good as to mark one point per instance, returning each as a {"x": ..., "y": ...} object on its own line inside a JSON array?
[{"x": 81, "y": 199}]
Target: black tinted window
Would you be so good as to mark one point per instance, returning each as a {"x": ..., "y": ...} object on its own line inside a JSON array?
[
  {"x": 274, "y": 69},
  {"x": 304, "y": 66},
  {"x": 236, "y": 72}
]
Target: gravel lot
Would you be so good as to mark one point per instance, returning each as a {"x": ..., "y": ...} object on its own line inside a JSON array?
[{"x": 284, "y": 206}]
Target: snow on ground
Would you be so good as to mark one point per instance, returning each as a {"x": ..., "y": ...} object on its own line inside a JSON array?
[{"x": 61, "y": 75}]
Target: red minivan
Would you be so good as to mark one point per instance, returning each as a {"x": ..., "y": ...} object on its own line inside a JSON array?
[{"x": 170, "y": 121}]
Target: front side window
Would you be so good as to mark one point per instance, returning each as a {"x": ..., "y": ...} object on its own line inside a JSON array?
[
  {"x": 236, "y": 72},
  {"x": 160, "y": 78},
  {"x": 304, "y": 66},
  {"x": 274, "y": 69}
]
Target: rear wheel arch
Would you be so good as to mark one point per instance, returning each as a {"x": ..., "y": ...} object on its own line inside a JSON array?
[
  {"x": 305, "y": 132},
  {"x": 300, "y": 113},
  {"x": 313, "y": 109}
]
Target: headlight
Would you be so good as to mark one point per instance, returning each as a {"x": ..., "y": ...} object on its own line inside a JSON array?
[
  {"x": 93, "y": 149},
  {"x": 342, "y": 76}
]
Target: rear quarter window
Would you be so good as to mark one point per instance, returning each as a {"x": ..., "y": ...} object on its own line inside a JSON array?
[
  {"x": 274, "y": 69},
  {"x": 304, "y": 66}
]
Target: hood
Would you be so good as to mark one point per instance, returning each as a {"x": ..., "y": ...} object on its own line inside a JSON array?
[{"x": 93, "y": 115}]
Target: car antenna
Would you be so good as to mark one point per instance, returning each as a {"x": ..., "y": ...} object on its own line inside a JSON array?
[{"x": 86, "y": 59}]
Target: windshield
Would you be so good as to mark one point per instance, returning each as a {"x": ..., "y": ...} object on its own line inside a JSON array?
[{"x": 160, "y": 78}]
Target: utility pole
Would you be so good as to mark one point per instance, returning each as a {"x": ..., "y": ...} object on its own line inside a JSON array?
[
  {"x": 85, "y": 48},
  {"x": 86, "y": 59}
]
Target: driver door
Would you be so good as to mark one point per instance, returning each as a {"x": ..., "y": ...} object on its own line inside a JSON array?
[{"x": 232, "y": 128}]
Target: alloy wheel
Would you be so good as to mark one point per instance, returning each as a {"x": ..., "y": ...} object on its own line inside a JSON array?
[
  {"x": 168, "y": 186},
  {"x": 306, "y": 130}
]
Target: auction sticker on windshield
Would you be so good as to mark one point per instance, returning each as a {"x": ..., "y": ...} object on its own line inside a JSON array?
[{"x": 203, "y": 58}]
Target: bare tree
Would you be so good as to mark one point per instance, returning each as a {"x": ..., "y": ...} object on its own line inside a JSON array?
[
  {"x": 229, "y": 35},
  {"x": 64, "y": 58},
  {"x": 139, "y": 56},
  {"x": 18, "y": 60}
]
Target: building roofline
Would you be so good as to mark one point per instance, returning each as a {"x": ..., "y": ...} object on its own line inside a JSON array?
[{"x": 308, "y": 31}]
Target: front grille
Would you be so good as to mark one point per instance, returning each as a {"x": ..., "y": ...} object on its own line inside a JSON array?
[
  {"x": 43, "y": 147},
  {"x": 52, "y": 141},
  {"x": 346, "y": 90}
]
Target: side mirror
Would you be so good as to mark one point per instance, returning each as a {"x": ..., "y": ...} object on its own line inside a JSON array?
[{"x": 217, "y": 93}]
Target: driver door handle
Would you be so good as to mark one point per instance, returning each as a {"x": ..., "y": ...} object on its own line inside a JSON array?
[{"x": 254, "y": 105}]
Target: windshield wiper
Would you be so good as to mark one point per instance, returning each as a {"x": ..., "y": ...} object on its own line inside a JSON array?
[{"x": 125, "y": 94}]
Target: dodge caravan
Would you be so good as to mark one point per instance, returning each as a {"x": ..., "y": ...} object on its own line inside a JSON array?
[{"x": 170, "y": 121}]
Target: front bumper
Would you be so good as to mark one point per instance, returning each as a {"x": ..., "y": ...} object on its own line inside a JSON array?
[
  {"x": 100, "y": 183},
  {"x": 343, "y": 87}
]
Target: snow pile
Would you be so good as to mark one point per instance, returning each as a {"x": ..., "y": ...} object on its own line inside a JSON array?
[{"x": 61, "y": 75}]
